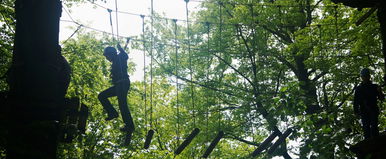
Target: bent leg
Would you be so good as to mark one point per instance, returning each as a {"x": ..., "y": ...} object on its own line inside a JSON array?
[{"x": 103, "y": 98}]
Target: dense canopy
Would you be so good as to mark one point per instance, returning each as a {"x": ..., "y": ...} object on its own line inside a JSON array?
[{"x": 248, "y": 68}]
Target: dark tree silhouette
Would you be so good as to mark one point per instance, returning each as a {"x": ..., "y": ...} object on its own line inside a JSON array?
[{"x": 38, "y": 81}]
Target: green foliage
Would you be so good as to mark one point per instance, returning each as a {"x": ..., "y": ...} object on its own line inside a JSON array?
[
  {"x": 286, "y": 64},
  {"x": 282, "y": 60},
  {"x": 7, "y": 31}
]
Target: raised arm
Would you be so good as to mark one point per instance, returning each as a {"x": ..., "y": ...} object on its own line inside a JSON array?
[{"x": 121, "y": 50}]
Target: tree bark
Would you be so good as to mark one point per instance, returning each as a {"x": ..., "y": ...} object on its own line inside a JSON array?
[{"x": 38, "y": 81}]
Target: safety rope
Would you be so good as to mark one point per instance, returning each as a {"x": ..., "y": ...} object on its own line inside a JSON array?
[
  {"x": 220, "y": 46},
  {"x": 207, "y": 78},
  {"x": 111, "y": 23},
  {"x": 177, "y": 85},
  {"x": 190, "y": 63},
  {"x": 144, "y": 68},
  {"x": 116, "y": 17},
  {"x": 151, "y": 64}
]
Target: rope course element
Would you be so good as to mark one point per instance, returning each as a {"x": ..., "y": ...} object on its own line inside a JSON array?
[
  {"x": 220, "y": 134},
  {"x": 280, "y": 141},
  {"x": 198, "y": 21},
  {"x": 221, "y": 52},
  {"x": 151, "y": 63},
  {"x": 190, "y": 63},
  {"x": 195, "y": 131},
  {"x": 76, "y": 30},
  {"x": 207, "y": 81},
  {"x": 144, "y": 68},
  {"x": 265, "y": 4},
  {"x": 150, "y": 133},
  {"x": 68, "y": 13},
  {"x": 197, "y": 49},
  {"x": 129, "y": 134},
  {"x": 111, "y": 23},
  {"x": 177, "y": 84},
  {"x": 116, "y": 16},
  {"x": 265, "y": 144}
]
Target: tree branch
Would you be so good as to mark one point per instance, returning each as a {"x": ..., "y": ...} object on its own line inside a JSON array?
[
  {"x": 287, "y": 63},
  {"x": 242, "y": 140},
  {"x": 233, "y": 68},
  {"x": 200, "y": 84},
  {"x": 317, "y": 77}
]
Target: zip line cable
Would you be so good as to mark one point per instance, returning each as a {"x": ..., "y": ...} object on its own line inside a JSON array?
[
  {"x": 124, "y": 37},
  {"x": 198, "y": 49},
  {"x": 141, "y": 15},
  {"x": 68, "y": 13},
  {"x": 197, "y": 21},
  {"x": 265, "y": 4}
]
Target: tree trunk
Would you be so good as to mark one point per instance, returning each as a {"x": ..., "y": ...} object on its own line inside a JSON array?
[
  {"x": 38, "y": 81},
  {"x": 382, "y": 21}
]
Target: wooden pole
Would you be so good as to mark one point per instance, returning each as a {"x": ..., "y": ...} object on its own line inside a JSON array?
[
  {"x": 280, "y": 140},
  {"x": 187, "y": 141},
  {"x": 213, "y": 144},
  {"x": 265, "y": 144},
  {"x": 149, "y": 136}
]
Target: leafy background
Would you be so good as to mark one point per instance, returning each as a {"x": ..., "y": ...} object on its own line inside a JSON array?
[{"x": 251, "y": 70}]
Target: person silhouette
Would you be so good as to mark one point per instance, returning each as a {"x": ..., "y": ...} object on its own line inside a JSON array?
[
  {"x": 365, "y": 103},
  {"x": 120, "y": 88}
]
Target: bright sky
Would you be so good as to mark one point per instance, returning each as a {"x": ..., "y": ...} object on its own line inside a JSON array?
[{"x": 128, "y": 25}]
